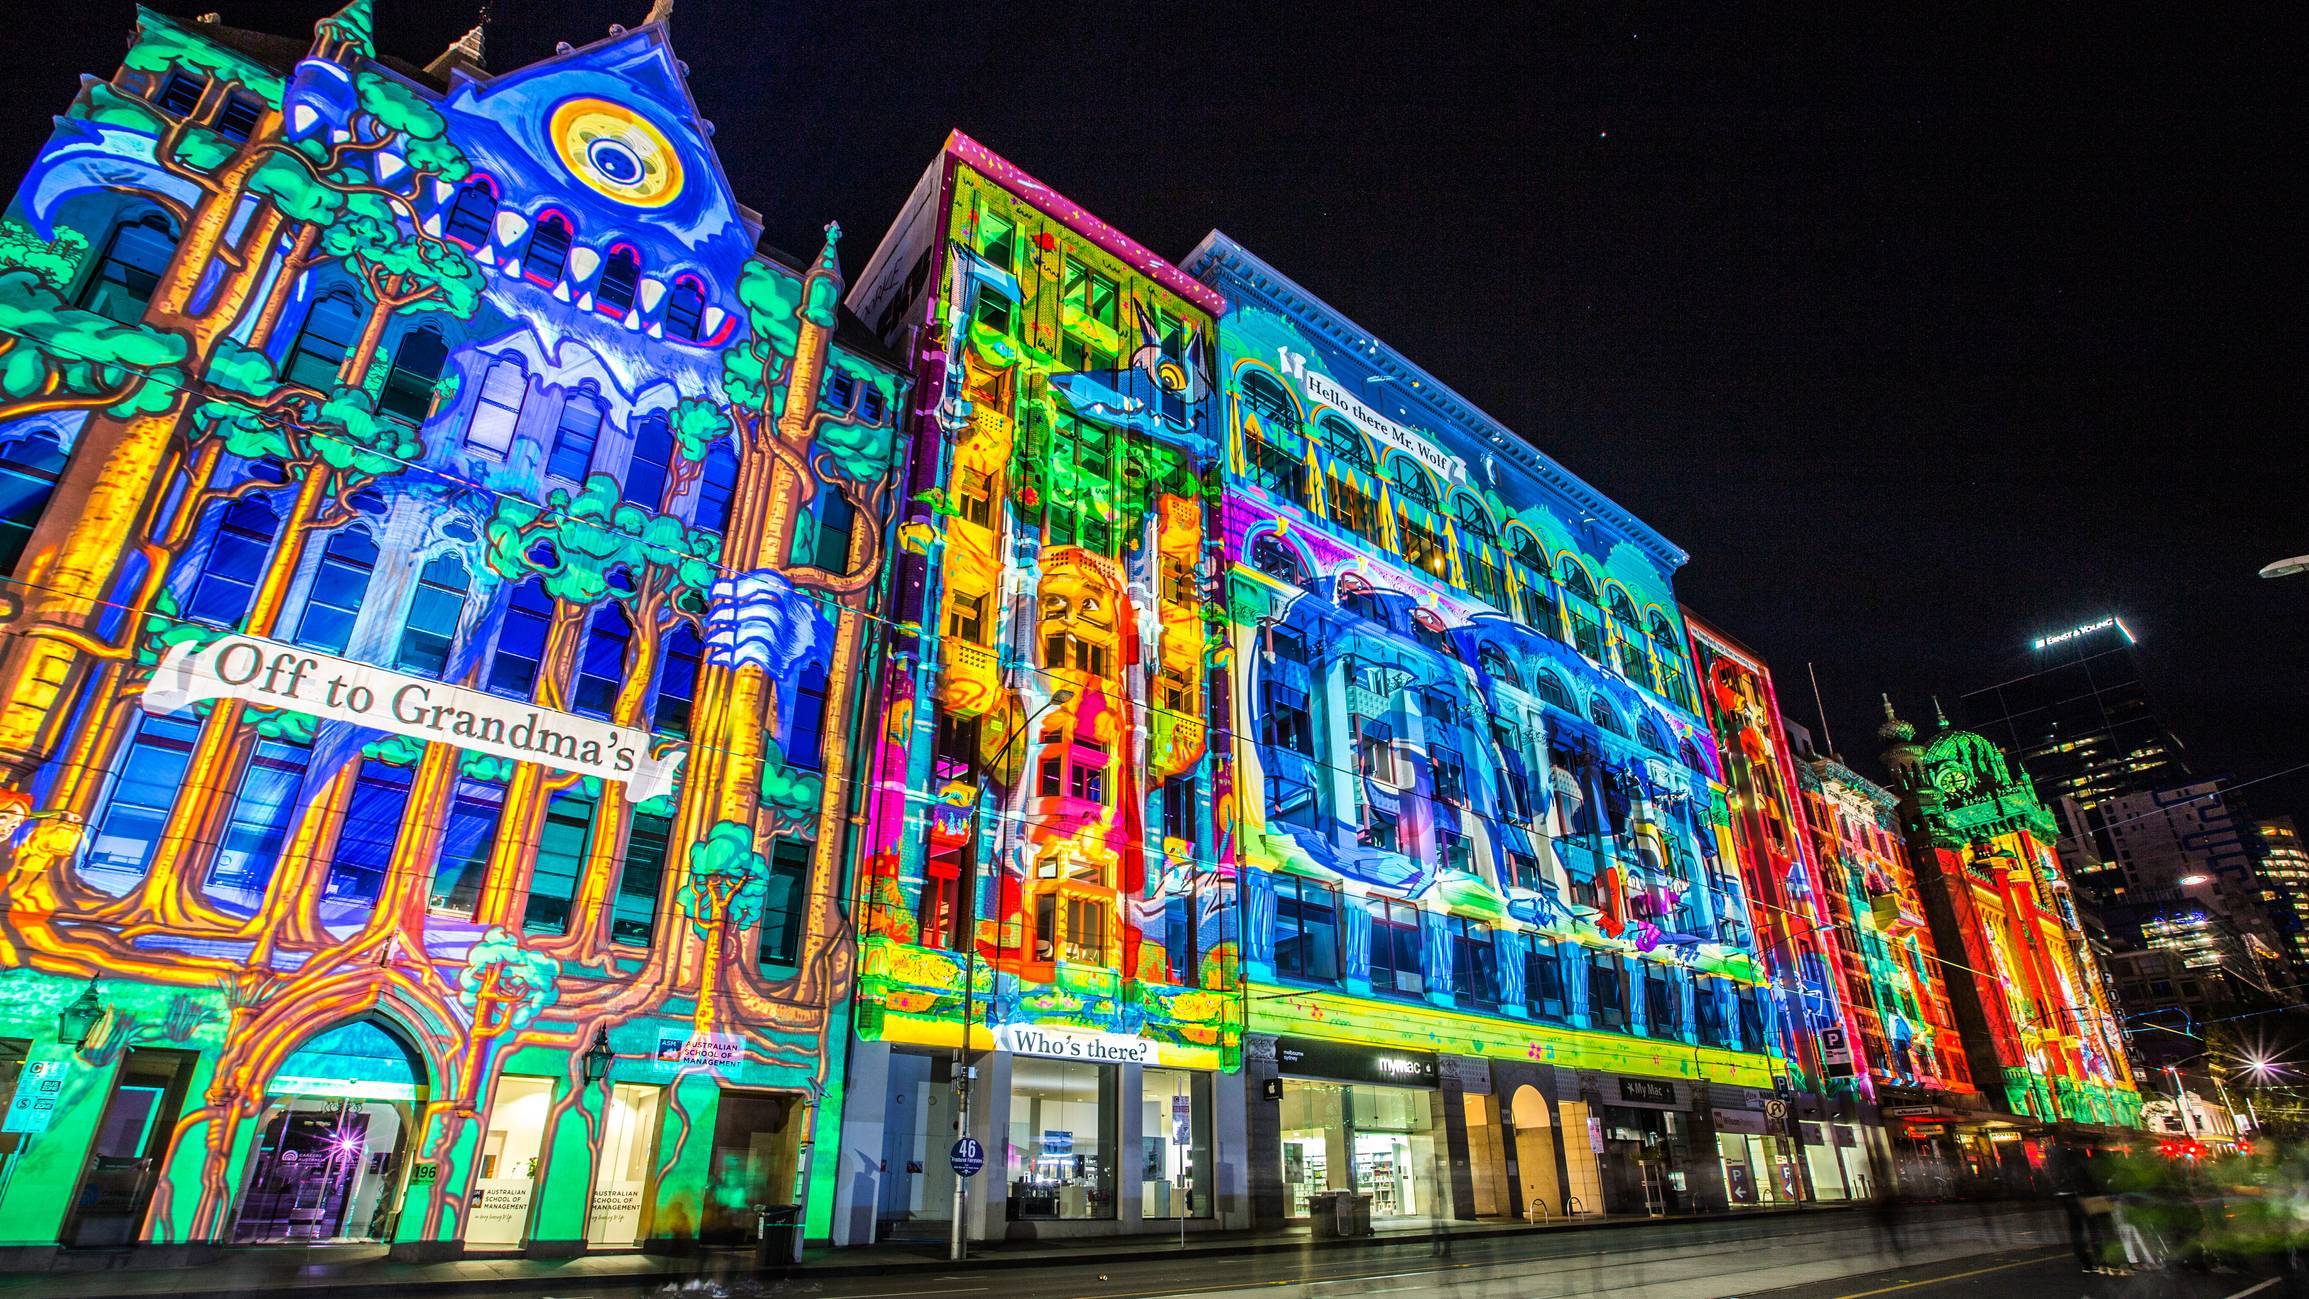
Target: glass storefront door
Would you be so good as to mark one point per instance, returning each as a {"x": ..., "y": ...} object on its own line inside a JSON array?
[
  {"x": 917, "y": 1130},
  {"x": 331, "y": 1143},
  {"x": 1175, "y": 1130},
  {"x": 1061, "y": 1161},
  {"x": 507, "y": 1177},
  {"x": 621, "y": 1183}
]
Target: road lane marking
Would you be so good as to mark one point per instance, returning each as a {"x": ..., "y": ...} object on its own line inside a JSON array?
[
  {"x": 2256, "y": 1289},
  {"x": 1955, "y": 1276}
]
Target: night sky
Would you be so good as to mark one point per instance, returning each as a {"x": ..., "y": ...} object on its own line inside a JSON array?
[{"x": 1923, "y": 336}]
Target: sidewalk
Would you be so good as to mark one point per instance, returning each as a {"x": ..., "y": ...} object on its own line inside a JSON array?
[{"x": 358, "y": 1272}]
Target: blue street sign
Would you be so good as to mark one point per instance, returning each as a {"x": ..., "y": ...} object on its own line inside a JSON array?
[{"x": 967, "y": 1157}]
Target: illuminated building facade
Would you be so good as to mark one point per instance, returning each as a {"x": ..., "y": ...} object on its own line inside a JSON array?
[
  {"x": 2032, "y": 1006},
  {"x": 437, "y": 554},
  {"x": 1790, "y": 904},
  {"x": 2281, "y": 860},
  {"x": 1495, "y": 955},
  {"x": 1046, "y": 878}
]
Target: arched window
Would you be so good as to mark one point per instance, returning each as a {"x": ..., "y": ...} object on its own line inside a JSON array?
[
  {"x": 521, "y": 641},
  {"x": 1616, "y": 599},
  {"x": 677, "y": 682},
  {"x": 497, "y": 411},
  {"x": 574, "y": 437},
  {"x": 1411, "y": 482},
  {"x": 1600, "y": 711},
  {"x": 717, "y": 484},
  {"x": 473, "y": 213},
  {"x": 548, "y": 254},
  {"x": 1265, "y": 398},
  {"x": 1474, "y": 520},
  {"x": 620, "y": 279},
  {"x": 646, "y": 472},
  {"x": 1668, "y": 653},
  {"x": 685, "y": 309},
  {"x": 1273, "y": 556},
  {"x": 29, "y": 468},
  {"x": 1648, "y": 730},
  {"x": 236, "y": 563},
  {"x": 601, "y": 664},
  {"x": 434, "y": 613},
  {"x": 1344, "y": 442},
  {"x": 340, "y": 584},
  {"x": 416, "y": 370},
  {"x": 1552, "y": 690},
  {"x": 1494, "y": 663},
  {"x": 1427, "y": 629},
  {"x": 330, "y": 327},
  {"x": 1575, "y": 579},
  {"x": 135, "y": 258}
]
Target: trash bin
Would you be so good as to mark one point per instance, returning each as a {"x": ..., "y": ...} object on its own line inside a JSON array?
[
  {"x": 778, "y": 1235},
  {"x": 1354, "y": 1214},
  {"x": 1323, "y": 1211}
]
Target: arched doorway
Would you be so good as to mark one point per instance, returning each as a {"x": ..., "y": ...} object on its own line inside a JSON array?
[
  {"x": 333, "y": 1140},
  {"x": 1541, "y": 1190}
]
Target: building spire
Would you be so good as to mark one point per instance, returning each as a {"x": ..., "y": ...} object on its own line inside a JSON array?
[
  {"x": 466, "y": 51},
  {"x": 1939, "y": 714}
]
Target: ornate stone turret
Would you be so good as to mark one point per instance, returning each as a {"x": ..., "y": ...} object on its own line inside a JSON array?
[
  {"x": 1902, "y": 756},
  {"x": 463, "y": 55}
]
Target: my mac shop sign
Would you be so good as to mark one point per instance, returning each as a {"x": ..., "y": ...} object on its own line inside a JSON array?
[{"x": 1307, "y": 1057}]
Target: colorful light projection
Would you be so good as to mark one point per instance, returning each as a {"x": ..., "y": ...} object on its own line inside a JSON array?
[
  {"x": 1907, "y": 1032},
  {"x": 1049, "y": 819},
  {"x": 2046, "y": 999},
  {"x": 482, "y": 389},
  {"x": 1463, "y": 726},
  {"x": 1765, "y": 833}
]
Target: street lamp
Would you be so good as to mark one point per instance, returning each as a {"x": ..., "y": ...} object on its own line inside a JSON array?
[
  {"x": 597, "y": 1057},
  {"x": 2293, "y": 567},
  {"x": 75, "y": 1022}
]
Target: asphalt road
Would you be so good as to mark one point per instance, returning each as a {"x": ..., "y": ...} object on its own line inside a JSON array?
[
  {"x": 2037, "y": 1274},
  {"x": 1829, "y": 1255}
]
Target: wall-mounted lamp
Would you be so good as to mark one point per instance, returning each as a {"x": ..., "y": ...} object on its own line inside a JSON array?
[
  {"x": 598, "y": 1056},
  {"x": 75, "y": 1022}
]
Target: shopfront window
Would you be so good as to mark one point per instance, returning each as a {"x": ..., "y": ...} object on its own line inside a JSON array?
[
  {"x": 621, "y": 1181},
  {"x": 1367, "y": 1139},
  {"x": 509, "y": 1157},
  {"x": 1175, "y": 1140},
  {"x": 1062, "y": 1144}
]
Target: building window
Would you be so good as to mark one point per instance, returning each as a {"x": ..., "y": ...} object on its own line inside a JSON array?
[
  {"x": 235, "y": 564},
  {"x": 1353, "y": 509},
  {"x": 134, "y": 259},
  {"x": 1663, "y": 1015},
  {"x": 717, "y": 486},
  {"x": 633, "y": 912},
  {"x": 651, "y": 464},
  {"x": 966, "y": 617},
  {"x": 1290, "y": 801},
  {"x": 328, "y": 333},
  {"x": 29, "y": 468},
  {"x": 1474, "y": 963},
  {"x": 497, "y": 411},
  {"x": 1306, "y": 929},
  {"x": 823, "y": 539},
  {"x": 471, "y": 216},
  {"x": 685, "y": 310},
  {"x": 521, "y": 641},
  {"x": 251, "y": 843},
  {"x": 562, "y": 844},
  {"x": 1454, "y": 851},
  {"x": 1273, "y": 468},
  {"x": 785, "y": 904},
  {"x": 465, "y": 845},
  {"x": 1543, "y": 981},
  {"x": 1395, "y": 947},
  {"x": 414, "y": 374},
  {"x": 334, "y": 602},
  {"x": 620, "y": 279},
  {"x": 805, "y": 738},
  {"x": 1668, "y": 654},
  {"x": 997, "y": 240},
  {"x": 373, "y": 819},
  {"x": 677, "y": 683},
  {"x": 1067, "y": 650},
  {"x": 434, "y": 613},
  {"x": 995, "y": 311},
  {"x": 150, "y": 776},
  {"x": 1180, "y": 802},
  {"x": 1711, "y": 1017},
  {"x": 1375, "y": 752},
  {"x": 1271, "y": 555},
  {"x": 547, "y": 257},
  {"x": 574, "y": 437},
  {"x": 601, "y": 664},
  {"x": 1607, "y": 993},
  {"x": 1343, "y": 443},
  {"x": 1087, "y": 294},
  {"x": 180, "y": 93},
  {"x": 238, "y": 119},
  {"x": 974, "y": 497},
  {"x": 1382, "y": 830}
]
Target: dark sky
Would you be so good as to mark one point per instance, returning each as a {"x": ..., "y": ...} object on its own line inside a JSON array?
[{"x": 1923, "y": 335}]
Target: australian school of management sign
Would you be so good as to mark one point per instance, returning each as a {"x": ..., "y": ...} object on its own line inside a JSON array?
[{"x": 258, "y": 671}]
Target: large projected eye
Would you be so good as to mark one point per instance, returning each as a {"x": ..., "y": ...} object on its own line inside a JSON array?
[{"x": 616, "y": 152}]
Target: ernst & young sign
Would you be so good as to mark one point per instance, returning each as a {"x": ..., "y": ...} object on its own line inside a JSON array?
[{"x": 275, "y": 675}]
